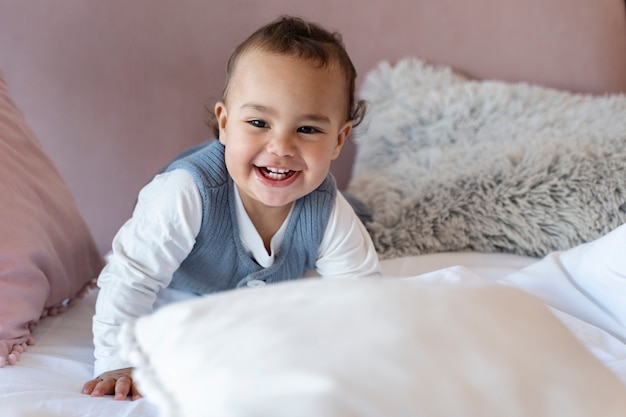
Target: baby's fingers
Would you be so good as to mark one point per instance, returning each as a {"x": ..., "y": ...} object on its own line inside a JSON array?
[
  {"x": 123, "y": 387},
  {"x": 89, "y": 386},
  {"x": 99, "y": 387},
  {"x": 134, "y": 392}
]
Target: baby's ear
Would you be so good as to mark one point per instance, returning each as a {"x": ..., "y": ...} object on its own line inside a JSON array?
[
  {"x": 341, "y": 139},
  {"x": 221, "y": 118}
]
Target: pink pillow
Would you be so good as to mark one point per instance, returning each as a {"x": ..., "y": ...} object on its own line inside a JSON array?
[{"x": 47, "y": 254}]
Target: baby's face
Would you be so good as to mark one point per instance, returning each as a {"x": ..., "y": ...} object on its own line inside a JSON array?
[{"x": 283, "y": 121}]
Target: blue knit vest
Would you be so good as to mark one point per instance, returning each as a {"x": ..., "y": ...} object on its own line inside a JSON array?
[{"x": 218, "y": 260}]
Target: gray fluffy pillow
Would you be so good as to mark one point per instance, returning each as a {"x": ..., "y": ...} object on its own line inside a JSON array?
[{"x": 450, "y": 164}]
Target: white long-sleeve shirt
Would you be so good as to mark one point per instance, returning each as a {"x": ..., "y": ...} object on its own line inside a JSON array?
[{"x": 152, "y": 244}]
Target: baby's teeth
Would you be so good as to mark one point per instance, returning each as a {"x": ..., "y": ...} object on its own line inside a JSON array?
[{"x": 277, "y": 173}]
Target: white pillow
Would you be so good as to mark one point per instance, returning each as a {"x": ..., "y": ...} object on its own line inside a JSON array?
[{"x": 367, "y": 348}]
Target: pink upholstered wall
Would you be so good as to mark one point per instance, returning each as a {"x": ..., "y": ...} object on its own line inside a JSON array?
[{"x": 115, "y": 88}]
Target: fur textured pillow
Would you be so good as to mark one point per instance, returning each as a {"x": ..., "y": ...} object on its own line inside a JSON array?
[
  {"x": 47, "y": 254},
  {"x": 452, "y": 164}
]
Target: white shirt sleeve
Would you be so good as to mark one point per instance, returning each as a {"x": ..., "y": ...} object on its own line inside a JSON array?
[
  {"x": 146, "y": 252},
  {"x": 346, "y": 250}
]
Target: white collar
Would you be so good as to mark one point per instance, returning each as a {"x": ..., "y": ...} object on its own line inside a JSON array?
[{"x": 250, "y": 238}]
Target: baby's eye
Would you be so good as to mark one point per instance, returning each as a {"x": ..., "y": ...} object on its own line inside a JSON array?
[
  {"x": 258, "y": 123},
  {"x": 308, "y": 130}
]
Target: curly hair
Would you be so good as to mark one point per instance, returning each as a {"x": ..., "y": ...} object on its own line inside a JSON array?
[{"x": 295, "y": 36}]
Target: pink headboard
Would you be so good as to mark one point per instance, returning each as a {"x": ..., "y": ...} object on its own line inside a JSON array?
[{"x": 115, "y": 88}]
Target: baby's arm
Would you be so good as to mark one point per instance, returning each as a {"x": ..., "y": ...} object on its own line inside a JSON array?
[
  {"x": 146, "y": 252},
  {"x": 346, "y": 249}
]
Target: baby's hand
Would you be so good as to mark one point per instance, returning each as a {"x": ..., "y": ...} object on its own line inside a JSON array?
[{"x": 118, "y": 383}]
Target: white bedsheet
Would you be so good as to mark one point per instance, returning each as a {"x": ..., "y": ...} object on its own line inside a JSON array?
[{"x": 46, "y": 382}]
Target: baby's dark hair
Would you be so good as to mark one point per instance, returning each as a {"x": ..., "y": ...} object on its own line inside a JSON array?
[{"x": 294, "y": 36}]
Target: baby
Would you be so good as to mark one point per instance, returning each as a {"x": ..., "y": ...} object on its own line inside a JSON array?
[{"x": 257, "y": 206}]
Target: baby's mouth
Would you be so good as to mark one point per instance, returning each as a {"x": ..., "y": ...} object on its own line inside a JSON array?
[{"x": 276, "y": 174}]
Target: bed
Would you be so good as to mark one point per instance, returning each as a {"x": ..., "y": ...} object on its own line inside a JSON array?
[{"x": 490, "y": 169}]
